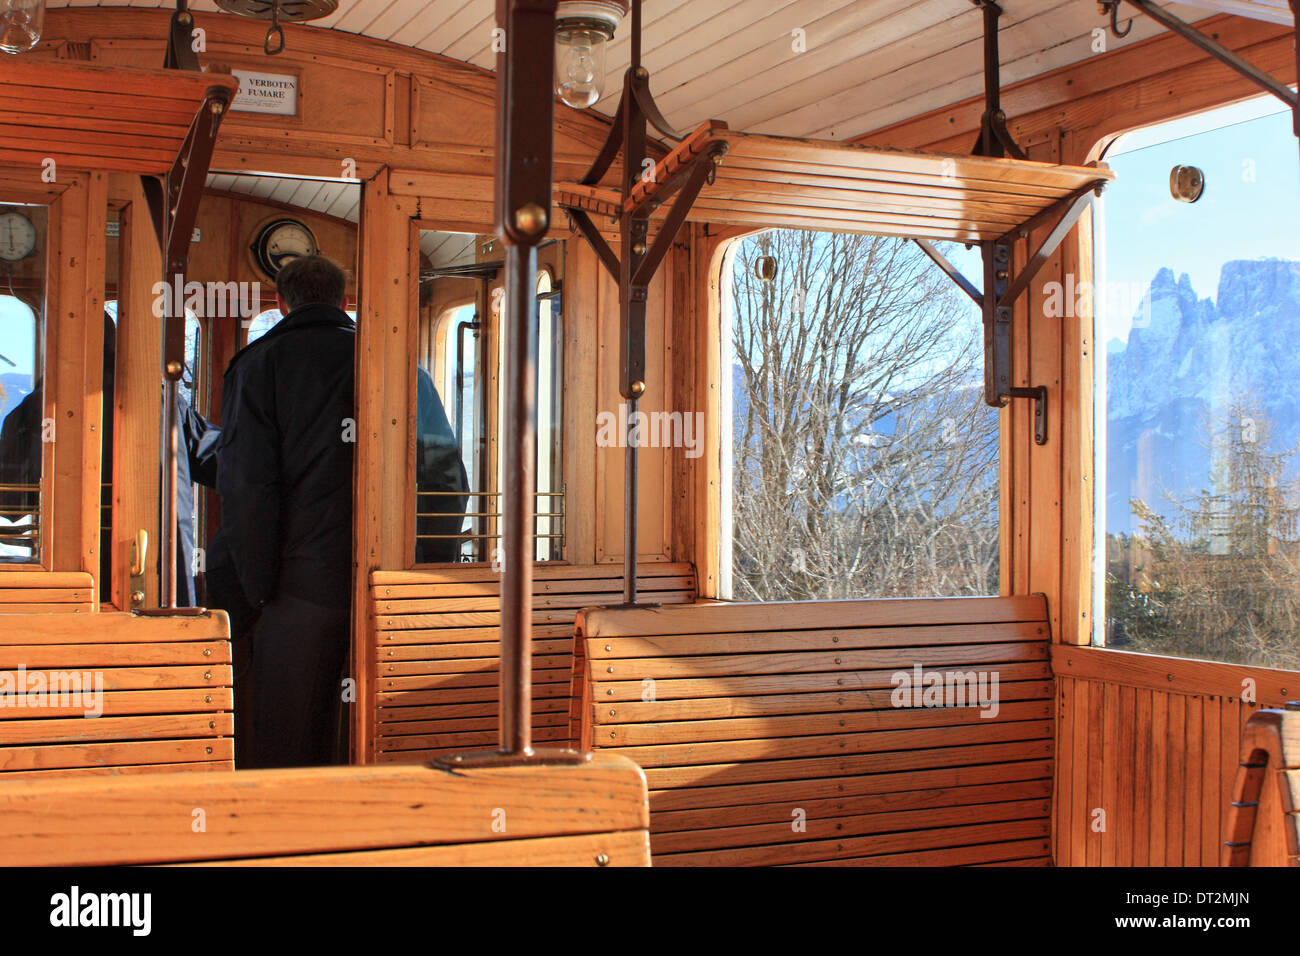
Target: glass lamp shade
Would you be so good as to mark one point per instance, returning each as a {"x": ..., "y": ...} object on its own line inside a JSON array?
[
  {"x": 21, "y": 23},
  {"x": 580, "y": 64}
]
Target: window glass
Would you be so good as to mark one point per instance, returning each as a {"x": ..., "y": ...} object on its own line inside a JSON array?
[
  {"x": 1198, "y": 397},
  {"x": 859, "y": 457},
  {"x": 460, "y": 396},
  {"x": 24, "y": 430}
]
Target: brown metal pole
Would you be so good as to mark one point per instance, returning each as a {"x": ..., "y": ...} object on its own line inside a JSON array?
[
  {"x": 517, "y": 507},
  {"x": 1295, "y": 108},
  {"x": 526, "y": 105},
  {"x": 167, "y": 551}
]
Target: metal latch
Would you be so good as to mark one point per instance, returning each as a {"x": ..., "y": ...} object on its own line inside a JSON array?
[{"x": 139, "y": 553}]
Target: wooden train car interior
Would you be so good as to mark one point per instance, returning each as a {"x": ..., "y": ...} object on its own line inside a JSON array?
[{"x": 786, "y": 432}]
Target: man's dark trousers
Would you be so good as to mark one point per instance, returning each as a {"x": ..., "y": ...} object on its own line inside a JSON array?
[{"x": 299, "y": 652}]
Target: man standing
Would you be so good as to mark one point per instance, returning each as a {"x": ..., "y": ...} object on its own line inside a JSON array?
[{"x": 284, "y": 473}]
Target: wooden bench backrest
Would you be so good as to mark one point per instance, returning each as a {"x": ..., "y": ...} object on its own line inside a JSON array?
[
  {"x": 45, "y": 592},
  {"x": 164, "y": 686},
  {"x": 1264, "y": 816},
  {"x": 439, "y": 647},
  {"x": 769, "y": 733},
  {"x": 580, "y": 815}
]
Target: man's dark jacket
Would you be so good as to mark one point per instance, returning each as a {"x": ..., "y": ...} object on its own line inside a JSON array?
[{"x": 284, "y": 459}]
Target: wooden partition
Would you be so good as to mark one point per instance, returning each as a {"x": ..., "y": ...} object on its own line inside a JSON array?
[
  {"x": 439, "y": 647},
  {"x": 803, "y": 733},
  {"x": 1147, "y": 753},
  {"x": 114, "y": 693},
  {"x": 591, "y": 814}
]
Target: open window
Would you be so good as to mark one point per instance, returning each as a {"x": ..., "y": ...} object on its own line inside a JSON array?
[
  {"x": 859, "y": 457},
  {"x": 1198, "y": 390}
]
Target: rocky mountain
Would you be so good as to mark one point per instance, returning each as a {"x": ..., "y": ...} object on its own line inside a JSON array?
[{"x": 1186, "y": 361}]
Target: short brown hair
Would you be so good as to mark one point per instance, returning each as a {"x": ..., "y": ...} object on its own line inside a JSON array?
[{"x": 308, "y": 280}]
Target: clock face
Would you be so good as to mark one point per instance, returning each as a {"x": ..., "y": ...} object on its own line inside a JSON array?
[
  {"x": 282, "y": 240},
  {"x": 17, "y": 236}
]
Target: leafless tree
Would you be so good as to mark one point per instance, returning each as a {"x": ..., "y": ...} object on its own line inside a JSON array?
[{"x": 864, "y": 458}]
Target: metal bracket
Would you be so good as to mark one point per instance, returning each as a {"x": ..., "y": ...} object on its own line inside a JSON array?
[
  {"x": 638, "y": 258},
  {"x": 493, "y": 759},
  {"x": 139, "y": 555},
  {"x": 1001, "y": 291},
  {"x": 994, "y": 139},
  {"x": 1217, "y": 50}
]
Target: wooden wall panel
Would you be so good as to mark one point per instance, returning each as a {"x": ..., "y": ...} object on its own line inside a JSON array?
[
  {"x": 1153, "y": 744},
  {"x": 373, "y": 102}
]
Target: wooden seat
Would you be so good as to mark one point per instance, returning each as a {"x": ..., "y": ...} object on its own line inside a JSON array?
[
  {"x": 788, "y": 733},
  {"x": 1264, "y": 817},
  {"x": 46, "y": 592},
  {"x": 590, "y": 814},
  {"x": 112, "y": 692},
  {"x": 88, "y": 116},
  {"x": 439, "y": 647}
]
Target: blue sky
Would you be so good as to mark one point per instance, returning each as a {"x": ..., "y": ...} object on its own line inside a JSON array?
[{"x": 1250, "y": 208}]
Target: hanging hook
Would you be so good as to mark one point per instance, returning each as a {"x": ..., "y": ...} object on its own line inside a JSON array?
[
  {"x": 1112, "y": 7},
  {"x": 275, "y": 30}
]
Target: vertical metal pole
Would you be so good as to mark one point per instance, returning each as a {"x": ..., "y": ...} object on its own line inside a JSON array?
[
  {"x": 992, "y": 81},
  {"x": 634, "y": 232},
  {"x": 167, "y": 551},
  {"x": 525, "y": 111},
  {"x": 630, "y": 506},
  {"x": 1295, "y": 109},
  {"x": 517, "y": 510}
]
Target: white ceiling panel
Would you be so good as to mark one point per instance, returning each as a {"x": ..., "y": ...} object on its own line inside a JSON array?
[{"x": 863, "y": 63}]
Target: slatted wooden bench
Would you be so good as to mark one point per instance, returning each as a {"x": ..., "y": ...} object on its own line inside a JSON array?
[
  {"x": 439, "y": 645},
  {"x": 1264, "y": 817},
  {"x": 590, "y": 814},
  {"x": 162, "y": 687},
  {"x": 45, "y": 592},
  {"x": 772, "y": 733}
]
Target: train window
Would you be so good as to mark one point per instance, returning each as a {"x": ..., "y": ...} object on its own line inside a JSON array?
[
  {"x": 262, "y": 323},
  {"x": 459, "y": 400},
  {"x": 24, "y": 430},
  {"x": 1198, "y": 392},
  {"x": 550, "y": 385},
  {"x": 859, "y": 458}
]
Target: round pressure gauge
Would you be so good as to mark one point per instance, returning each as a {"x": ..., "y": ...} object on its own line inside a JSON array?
[
  {"x": 279, "y": 241},
  {"x": 17, "y": 236}
]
